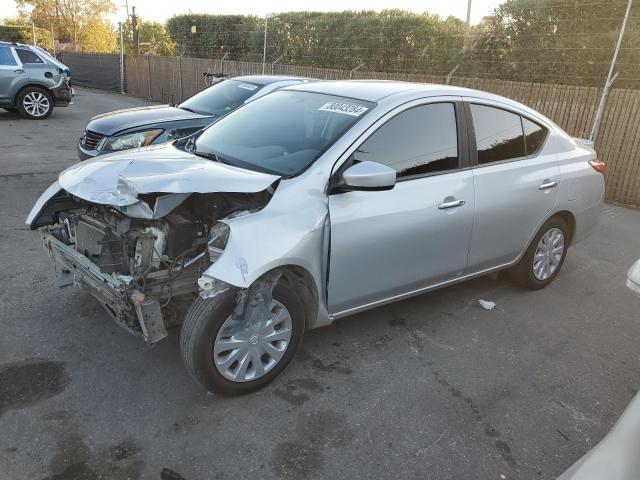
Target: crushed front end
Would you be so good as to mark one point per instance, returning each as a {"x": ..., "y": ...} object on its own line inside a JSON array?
[{"x": 143, "y": 271}]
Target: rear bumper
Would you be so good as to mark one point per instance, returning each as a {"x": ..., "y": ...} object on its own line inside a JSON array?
[{"x": 62, "y": 94}]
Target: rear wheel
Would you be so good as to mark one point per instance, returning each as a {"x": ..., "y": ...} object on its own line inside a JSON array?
[
  {"x": 544, "y": 257},
  {"x": 35, "y": 103},
  {"x": 227, "y": 355}
]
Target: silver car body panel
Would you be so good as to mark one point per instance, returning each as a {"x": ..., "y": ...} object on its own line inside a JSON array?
[
  {"x": 616, "y": 457},
  {"x": 633, "y": 278},
  {"x": 118, "y": 178},
  {"x": 334, "y": 236}
]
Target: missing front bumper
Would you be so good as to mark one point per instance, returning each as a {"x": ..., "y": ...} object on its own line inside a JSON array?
[{"x": 138, "y": 313}]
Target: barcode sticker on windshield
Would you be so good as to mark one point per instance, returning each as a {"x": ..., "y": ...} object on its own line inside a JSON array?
[
  {"x": 345, "y": 108},
  {"x": 247, "y": 86}
]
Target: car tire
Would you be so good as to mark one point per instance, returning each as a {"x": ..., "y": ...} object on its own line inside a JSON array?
[
  {"x": 537, "y": 268},
  {"x": 35, "y": 103},
  {"x": 204, "y": 329}
]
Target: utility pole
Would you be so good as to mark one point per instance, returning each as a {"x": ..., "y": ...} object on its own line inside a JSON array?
[
  {"x": 121, "y": 59},
  {"x": 468, "y": 25},
  {"x": 264, "y": 45},
  {"x": 134, "y": 29},
  {"x": 610, "y": 78},
  {"x": 33, "y": 31},
  {"x": 53, "y": 41}
]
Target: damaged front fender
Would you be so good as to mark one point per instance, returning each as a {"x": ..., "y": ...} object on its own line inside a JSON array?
[
  {"x": 51, "y": 191},
  {"x": 276, "y": 238}
]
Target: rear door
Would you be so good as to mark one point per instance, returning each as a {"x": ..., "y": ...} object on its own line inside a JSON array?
[
  {"x": 388, "y": 243},
  {"x": 515, "y": 182},
  {"x": 35, "y": 66}
]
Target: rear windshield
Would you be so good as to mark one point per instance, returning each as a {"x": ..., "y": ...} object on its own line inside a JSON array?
[
  {"x": 221, "y": 98},
  {"x": 282, "y": 132}
]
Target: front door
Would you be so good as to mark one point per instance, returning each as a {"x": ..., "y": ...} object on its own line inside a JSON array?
[
  {"x": 389, "y": 243},
  {"x": 9, "y": 73}
]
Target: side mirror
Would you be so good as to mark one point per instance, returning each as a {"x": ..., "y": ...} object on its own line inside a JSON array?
[{"x": 368, "y": 175}]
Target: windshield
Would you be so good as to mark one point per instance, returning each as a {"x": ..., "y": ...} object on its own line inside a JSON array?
[
  {"x": 221, "y": 98},
  {"x": 282, "y": 132}
]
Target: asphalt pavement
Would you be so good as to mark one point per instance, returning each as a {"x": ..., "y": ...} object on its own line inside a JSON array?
[{"x": 434, "y": 387}]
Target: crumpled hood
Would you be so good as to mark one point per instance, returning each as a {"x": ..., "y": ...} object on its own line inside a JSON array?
[
  {"x": 120, "y": 120},
  {"x": 118, "y": 178}
]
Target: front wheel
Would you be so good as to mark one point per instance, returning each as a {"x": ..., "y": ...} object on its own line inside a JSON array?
[
  {"x": 35, "y": 103},
  {"x": 545, "y": 256},
  {"x": 229, "y": 356}
]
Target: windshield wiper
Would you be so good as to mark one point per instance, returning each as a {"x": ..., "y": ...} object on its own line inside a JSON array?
[
  {"x": 190, "y": 110},
  {"x": 210, "y": 155}
]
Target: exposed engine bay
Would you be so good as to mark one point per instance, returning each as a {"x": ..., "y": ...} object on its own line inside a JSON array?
[{"x": 143, "y": 271}]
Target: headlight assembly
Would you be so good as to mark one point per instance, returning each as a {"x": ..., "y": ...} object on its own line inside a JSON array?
[
  {"x": 132, "y": 140},
  {"x": 219, "y": 239}
]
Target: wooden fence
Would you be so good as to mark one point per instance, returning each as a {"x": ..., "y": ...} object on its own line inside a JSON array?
[{"x": 173, "y": 79}]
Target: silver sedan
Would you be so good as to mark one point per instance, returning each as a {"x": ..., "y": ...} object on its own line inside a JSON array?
[{"x": 313, "y": 203}]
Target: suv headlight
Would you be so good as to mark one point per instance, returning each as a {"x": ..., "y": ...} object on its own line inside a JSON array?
[
  {"x": 132, "y": 140},
  {"x": 219, "y": 239}
]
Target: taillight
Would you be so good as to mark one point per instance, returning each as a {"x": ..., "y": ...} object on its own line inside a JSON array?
[{"x": 598, "y": 166}]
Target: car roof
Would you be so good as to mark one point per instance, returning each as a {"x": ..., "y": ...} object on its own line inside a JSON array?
[
  {"x": 14, "y": 44},
  {"x": 376, "y": 90},
  {"x": 267, "y": 79}
]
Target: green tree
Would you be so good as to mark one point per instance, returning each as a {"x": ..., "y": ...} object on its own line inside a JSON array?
[
  {"x": 391, "y": 40},
  {"x": 153, "y": 39},
  {"x": 85, "y": 23},
  {"x": 549, "y": 41}
]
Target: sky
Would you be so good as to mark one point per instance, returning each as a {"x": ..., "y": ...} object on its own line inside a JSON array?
[{"x": 161, "y": 10}]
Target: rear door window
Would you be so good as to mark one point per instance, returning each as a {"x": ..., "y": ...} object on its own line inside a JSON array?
[
  {"x": 27, "y": 56},
  {"x": 6, "y": 57},
  {"x": 534, "y": 136},
  {"x": 418, "y": 141},
  {"x": 499, "y": 134}
]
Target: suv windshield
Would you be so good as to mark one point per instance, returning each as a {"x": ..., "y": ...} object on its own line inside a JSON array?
[
  {"x": 282, "y": 132},
  {"x": 221, "y": 98}
]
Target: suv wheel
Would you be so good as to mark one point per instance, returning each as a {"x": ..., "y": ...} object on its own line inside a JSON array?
[
  {"x": 228, "y": 356},
  {"x": 35, "y": 103}
]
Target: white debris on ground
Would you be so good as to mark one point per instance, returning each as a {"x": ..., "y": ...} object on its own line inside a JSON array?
[{"x": 487, "y": 305}]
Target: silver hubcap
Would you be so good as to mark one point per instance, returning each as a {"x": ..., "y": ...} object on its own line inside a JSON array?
[
  {"x": 243, "y": 353},
  {"x": 548, "y": 254},
  {"x": 36, "y": 104}
]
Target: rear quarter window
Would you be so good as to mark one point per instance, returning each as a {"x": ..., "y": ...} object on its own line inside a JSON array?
[
  {"x": 27, "y": 56},
  {"x": 534, "y": 136}
]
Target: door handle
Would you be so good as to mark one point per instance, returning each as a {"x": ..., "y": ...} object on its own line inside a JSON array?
[
  {"x": 547, "y": 185},
  {"x": 18, "y": 71},
  {"x": 452, "y": 204}
]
